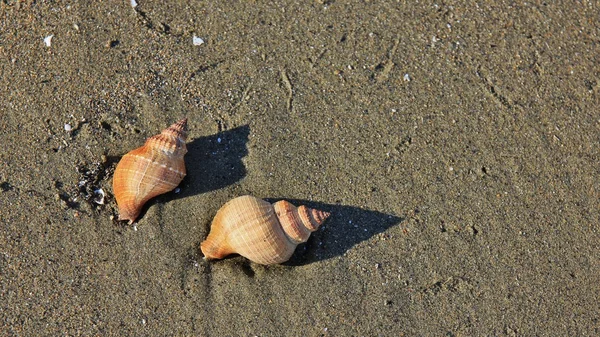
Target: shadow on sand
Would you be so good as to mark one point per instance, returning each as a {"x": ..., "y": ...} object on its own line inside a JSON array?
[
  {"x": 214, "y": 162},
  {"x": 346, "y": 227}
]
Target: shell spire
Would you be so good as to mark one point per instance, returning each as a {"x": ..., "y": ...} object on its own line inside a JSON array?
[
  {"x": 155, "y": 168},
  {"x": 262, "y": 232}
]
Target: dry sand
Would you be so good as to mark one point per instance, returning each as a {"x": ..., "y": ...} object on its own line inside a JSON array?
[{"x": 457, "y": 147}]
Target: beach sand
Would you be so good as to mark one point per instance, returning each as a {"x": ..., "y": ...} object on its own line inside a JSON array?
[{"x": 456, "y": 146}]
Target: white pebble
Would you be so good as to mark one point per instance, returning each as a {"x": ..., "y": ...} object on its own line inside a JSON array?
[
  {"x": 407, "y": 77},
  {"x": 197, "y": 40},
  {"x": 133, "y": 4},
  {"x": 219, "y": 140},
  {"x": 68, "y": 127},
  {"x": 48, "y": 40}
]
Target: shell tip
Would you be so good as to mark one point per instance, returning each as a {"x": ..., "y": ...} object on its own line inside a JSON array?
[
  {"x": 182, "y": 124},
  {"x": 320, "y": 216},
  {"x": 178, "y": 130}
]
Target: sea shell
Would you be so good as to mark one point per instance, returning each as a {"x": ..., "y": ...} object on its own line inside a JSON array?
[
  {"x": 153, "y": 169},
  {"x": 262, "y": 232}
]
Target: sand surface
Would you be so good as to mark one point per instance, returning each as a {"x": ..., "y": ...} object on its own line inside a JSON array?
[{"x": 457, "y": 147}]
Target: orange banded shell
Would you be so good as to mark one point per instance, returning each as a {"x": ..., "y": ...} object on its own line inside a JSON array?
[
  {"x": 153, "y": 169},
  {"x": 262, "y": 232}
]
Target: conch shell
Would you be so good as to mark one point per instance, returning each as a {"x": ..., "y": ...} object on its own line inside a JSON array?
[
  {"x": 153, "y": 169},
  {"x": 262, "y": 232}
]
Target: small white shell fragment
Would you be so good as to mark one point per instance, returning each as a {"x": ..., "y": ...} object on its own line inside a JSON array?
[
  {"x": 48, "y": 40},
  {"x": 177, "y": 190},
  {"x": 99, "y": 199},
  {"x": 68, "y": 127},
  {"x": 197, "y": 40},
  {"x": 407, "y": 78},
  {"x": 133, "y": 4}
]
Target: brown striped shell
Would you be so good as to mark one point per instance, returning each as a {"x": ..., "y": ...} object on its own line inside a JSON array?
[
  {"x": 262, "y": 232},
  {"x": 153, "y": 169}
]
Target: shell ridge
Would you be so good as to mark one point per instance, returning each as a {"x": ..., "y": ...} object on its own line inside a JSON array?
[
  {"x": 254, "y": 224},
  {"x": 163, "y": 165},
  {"x": 139, "y": 183},
  {"x": 291, "y": 221},
  {"x": 254, "y": 235},
  {"x": 162, "y": 144},
  {"x": 177, "y": 132},
  {"x": 288, "y": 236},
  {"x": 271, "y": 255}
]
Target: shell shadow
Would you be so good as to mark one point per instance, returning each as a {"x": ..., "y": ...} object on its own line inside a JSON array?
[
  {"x": 214, "y": 162},
  {"x": 346, "y": 227}
]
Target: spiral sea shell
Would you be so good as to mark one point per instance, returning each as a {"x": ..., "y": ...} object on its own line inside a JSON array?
[
  {"x": 153, "y": 169},
  {"x": 262, "y": 232}
]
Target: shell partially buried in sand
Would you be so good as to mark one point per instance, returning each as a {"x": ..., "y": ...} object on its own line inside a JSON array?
[
  {"x": 153, "y": 169},
  {"x": 262, "y": 232}
]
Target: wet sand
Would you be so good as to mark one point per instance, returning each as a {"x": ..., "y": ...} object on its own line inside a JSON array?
[{"x": 456, "y": 146}]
